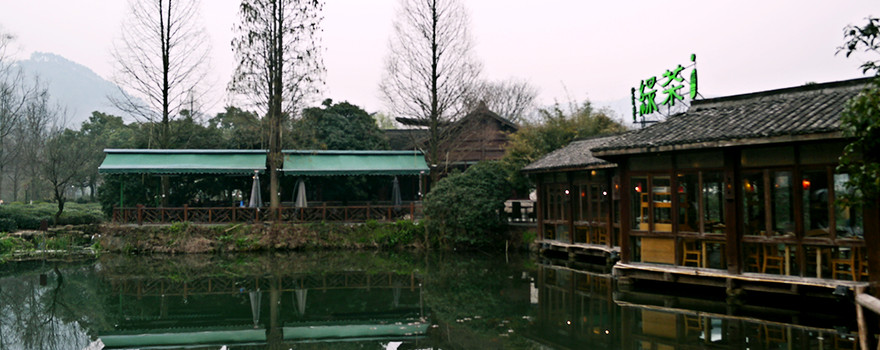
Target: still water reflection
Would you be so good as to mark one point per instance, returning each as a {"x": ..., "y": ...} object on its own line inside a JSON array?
[{"x": 344, "y": 300}]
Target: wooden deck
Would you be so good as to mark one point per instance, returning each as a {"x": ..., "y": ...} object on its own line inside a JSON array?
[
  {"x": 721, "y": 278},
  {"x": 220, "y": 215},
  {"x": 594, "y": 253}
]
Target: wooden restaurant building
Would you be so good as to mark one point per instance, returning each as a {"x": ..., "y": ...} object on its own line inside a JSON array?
[
  {"x": 740, "y": 192},
  {"x": 575, "y": 200}
]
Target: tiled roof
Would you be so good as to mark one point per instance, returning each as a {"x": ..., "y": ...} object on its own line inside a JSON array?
[
  {"x": 576, "y": 155},
  {"x": 405, "y": 139},
  {"x": 808, "y": 109}
]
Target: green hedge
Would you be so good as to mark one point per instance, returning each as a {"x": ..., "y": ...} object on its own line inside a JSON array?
[
  {"x": 7, "y": 225},
  {"x": 20, "y": 216}
]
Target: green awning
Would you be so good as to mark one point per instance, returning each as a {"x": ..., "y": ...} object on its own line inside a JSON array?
[
  {"x": 147, "y": 161},
  {"x": 326, "y": 163},
  {"x": 184, "y": 338},
  {"x": 355, "y": 331}
]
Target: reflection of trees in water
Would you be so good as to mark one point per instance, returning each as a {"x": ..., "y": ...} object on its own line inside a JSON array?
[
  {"x": 477, "y": 301},
  {"x": 52, "y": 317}
]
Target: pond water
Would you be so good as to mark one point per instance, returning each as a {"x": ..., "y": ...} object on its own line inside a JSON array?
[{"x": 357, "y": 300}]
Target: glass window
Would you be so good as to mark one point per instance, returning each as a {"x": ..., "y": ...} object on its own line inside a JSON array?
[
  {"x": 713, "y": 202},
  {"x": 639, "y": 199},
  {"x": 583, "y": 205},
  {"x": 781, "y": 203},
  {"x": 815, "y": 199},
  {"x": 596, "y": 211},
  {"x": 688, "y": 202},
  {"x": 662, "y": 196},
  {"x": 848, "y": 219},
  {"x": 753, "y": 204}
]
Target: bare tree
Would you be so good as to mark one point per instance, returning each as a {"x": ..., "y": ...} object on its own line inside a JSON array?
[
  {"x": 430, "y": 69},
  {"x": 161, "y": 58},
  {"x": 279, "y": 65},
  {"x": 29, "y": 138},
  {"x": 14, "y": 95},
  {"x": 512, "y": 99}
]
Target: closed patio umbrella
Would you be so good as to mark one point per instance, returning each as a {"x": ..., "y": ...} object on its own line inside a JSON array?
[
  {"x": 301, "y": 201},
  {"x": 395, "y": 192},
  {"x": 256, "y": 198}
]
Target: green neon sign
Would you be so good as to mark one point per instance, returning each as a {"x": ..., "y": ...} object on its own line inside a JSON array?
[{"x": 669, "y": 85}]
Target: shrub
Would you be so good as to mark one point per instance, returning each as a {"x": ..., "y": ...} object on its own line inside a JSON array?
[
  {"x": 9, "y": 244},
  {"x": 464, "y": 209},
  {"x": 7, "y": 225}
]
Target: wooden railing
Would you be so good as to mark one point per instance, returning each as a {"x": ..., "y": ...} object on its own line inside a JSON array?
[{"x": 218, "y": 215}]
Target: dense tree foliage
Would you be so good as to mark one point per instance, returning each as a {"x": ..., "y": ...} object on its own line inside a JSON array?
[
  {"x": 339, "y": 126},
  {"x": 556, "y": 128},
  {"x": 464, "y": 209},
  {"x": 861, "y": 119}
]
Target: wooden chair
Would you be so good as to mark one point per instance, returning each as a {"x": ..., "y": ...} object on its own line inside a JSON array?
[
  {"x": 773, "y": 334},
  {"x": 693, "y": 324},
  {"x": 847, "y": 263},
  {"x": 601, "y": 236},
  {"x": 692, "y": 252},
  {"x": 862, "y": 264},
  {"x": 751, "y": 257},
  {"x": 772, "y": 259}
]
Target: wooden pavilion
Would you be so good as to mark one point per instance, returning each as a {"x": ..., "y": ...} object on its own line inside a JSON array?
[
  {"x": 575, "y": 200},
  {"x": 409, "y": 165}
]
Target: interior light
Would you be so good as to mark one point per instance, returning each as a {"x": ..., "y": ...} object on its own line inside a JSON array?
[
  {"x": 806, "y": 184},
  {"x": 566, "y": 192}
]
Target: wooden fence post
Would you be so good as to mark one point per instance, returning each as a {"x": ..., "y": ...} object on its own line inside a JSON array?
[
  {"x": 140, "y": 214},
  {"x": 186, "y": 212}
]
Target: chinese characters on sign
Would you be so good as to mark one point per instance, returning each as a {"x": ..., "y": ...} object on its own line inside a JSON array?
[{"x": 672, "y": 88}]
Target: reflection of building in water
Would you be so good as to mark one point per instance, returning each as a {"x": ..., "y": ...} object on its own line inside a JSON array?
[
  {"x": 579, "y": 308},
  {"x": 265, "y": 309},
  {"x": 670, "y": 328},
  {"x": 697, "y": 321},
  {"x": 576, "y": 308}
]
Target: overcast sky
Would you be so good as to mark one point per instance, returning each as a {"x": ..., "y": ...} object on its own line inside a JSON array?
[{"x": 569, "y": 49}]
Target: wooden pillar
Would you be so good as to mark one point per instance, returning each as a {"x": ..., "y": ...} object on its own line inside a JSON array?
[
  {"x": 140, "y": 214},
  {"x": 872, "y": 243},
  {"x": 625, "y": 210},
  {"x": 539, "y": 202},
  {"x": 568, "y": 199},
  {"x": 732, "y": 210}
]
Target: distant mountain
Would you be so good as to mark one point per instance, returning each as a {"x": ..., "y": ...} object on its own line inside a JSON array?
[{"x": 73, "y": 86}]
